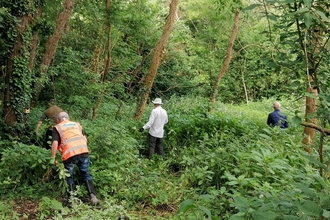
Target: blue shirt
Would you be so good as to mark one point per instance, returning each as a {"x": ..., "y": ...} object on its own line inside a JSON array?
[{"x": 277, "y": 118}]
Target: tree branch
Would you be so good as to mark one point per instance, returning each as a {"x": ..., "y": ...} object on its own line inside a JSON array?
[{"x": 312, "y": 125}]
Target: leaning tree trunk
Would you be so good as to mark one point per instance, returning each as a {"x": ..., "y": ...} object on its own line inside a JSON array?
[
  {"x": 226, "y": 62},
  {"x": 51, "y": 45},
  {"x": 150, "y": 77}
]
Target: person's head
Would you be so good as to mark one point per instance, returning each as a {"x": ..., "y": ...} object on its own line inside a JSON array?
[
  {"x": 62, "y": 116},
  {"x": 157, "y": 102},
  {"x": 277, "y": 105}
]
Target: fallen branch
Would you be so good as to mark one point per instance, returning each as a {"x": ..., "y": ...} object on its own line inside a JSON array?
[{"x": 311, "y": 125}]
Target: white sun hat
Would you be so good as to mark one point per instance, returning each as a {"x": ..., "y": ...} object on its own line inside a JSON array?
[{"x": 157, "y": 101}]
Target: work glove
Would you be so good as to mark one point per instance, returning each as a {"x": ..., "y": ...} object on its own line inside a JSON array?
[
  {"x": 52, "y": 161},
  {"x": 141, "y": 129}
]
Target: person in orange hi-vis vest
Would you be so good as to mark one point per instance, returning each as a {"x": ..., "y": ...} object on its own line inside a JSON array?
[{"x": 69, "y": 139}]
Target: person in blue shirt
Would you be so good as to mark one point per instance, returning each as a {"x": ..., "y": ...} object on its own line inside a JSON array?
[{"x": 277, "y": 118}]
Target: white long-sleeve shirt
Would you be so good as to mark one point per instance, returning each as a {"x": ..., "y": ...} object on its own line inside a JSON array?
[{"x": 158, "y": 118}]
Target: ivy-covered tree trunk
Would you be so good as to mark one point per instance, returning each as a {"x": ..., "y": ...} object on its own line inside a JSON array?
[
  {"x": 150, "y": 77},
  {"x": 51, "y": 44},
  {"x": 17, "y": 76}
]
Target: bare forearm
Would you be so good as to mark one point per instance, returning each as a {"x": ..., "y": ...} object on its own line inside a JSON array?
[
  {"x": 38, "y": 126},
  {"x": 54, "y": 148}
]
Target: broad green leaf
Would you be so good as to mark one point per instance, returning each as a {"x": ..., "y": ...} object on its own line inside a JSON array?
[
  {"x": 301, "y": 11},
  {"x": 290, "y": 217},
  {"x": 326, "y": 213},
  {"x": 308, "y": 19},
  {"x": 323, "y": 16},
  {"x": 262, "y": 215},
  {"x": 308, "y": 3},
  {"x": 306, "y": 190},
  {"x": 56, "y": 205},
  {"x": 325, "y": 203},
  {"x": 250, "y": 7},
  {"x": 256, "y": 203},
  {"x": 206, "y": 197},
  {"x": 240, "y": 202},
  {"x": 296, "y": 121},
  {"x": 206, "y": 211},
  {"x": 316, "y": 162},
  {"x": 265, "y": 136},
  {"x": 295, "y": 83},
  {"x": 186, "y": 205},
  {"x": 310, "y": 208},
  {"x": 232, "y": 183},
  {"x": 236, "y": 217}
]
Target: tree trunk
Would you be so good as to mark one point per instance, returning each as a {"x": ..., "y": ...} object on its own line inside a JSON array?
[
  {"x": 35, "y": 41},
  {"x": 226, "y": 62},
  {"x": 97, "y": 53},
  {"x": 150, "y": 77},
  {"x": 51, "y": 44},
  {"x": 107, "y": 63},
  {"x": 312, "y": 62},
  {"x": 309, "y": 133},
  {"x": 8, "y": 108},
  {"x": 243, "y": 81}
]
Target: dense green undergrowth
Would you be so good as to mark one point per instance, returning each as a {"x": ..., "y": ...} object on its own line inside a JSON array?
[{"x": 222, "y": 165}]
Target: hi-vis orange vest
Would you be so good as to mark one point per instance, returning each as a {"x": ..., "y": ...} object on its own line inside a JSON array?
[{"x": 72, "y": 140}]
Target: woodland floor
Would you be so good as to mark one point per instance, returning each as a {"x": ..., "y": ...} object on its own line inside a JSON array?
[{"x": 27, "y": 209}]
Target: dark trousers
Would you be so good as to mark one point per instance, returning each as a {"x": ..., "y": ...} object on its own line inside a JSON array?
[
  {"x": 47, "y": 143},
  {"x": 155, "y": 144}
]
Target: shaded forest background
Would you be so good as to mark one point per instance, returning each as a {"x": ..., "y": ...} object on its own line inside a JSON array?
[{"x": 104, "y": 60}]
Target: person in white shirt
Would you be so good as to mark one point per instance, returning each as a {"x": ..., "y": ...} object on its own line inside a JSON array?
[{"x": 158, "y": 118}]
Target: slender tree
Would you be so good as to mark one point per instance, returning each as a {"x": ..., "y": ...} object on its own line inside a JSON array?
[
  {"x": 108, "y": 49},
  {"x": 150, "y": 77},
  {"x": 51, "y": 44},
  {"x": 227, "y": 60}
]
